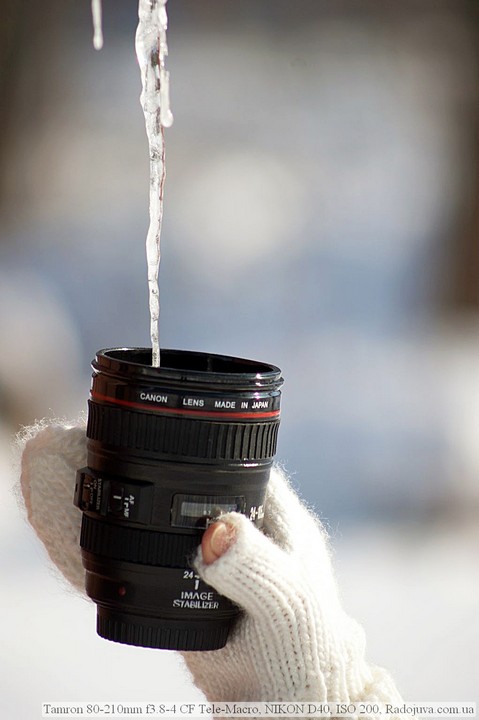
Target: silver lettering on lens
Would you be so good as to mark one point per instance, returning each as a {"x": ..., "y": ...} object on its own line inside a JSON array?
[
  {"x": 193, "y": 402},
  {"x": 98, "y": 488},
  {"x": 152, "y": 397},
  {"x": 196, "y": 600},
  {"x": 256, "y": 513}
]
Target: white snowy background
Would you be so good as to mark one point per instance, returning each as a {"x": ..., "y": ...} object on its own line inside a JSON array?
[{"x": 320, "y": 168}]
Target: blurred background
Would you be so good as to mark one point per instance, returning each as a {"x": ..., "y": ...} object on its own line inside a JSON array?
[{"x": 322, "y": 214}]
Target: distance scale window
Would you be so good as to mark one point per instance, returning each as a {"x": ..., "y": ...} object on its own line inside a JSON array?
[{"x": 198, "y": 511}]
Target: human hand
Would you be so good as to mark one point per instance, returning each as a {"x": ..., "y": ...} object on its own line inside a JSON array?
[{"x": 293, "y": 641}]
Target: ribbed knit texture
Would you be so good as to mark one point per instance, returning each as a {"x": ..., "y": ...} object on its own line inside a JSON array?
[
  {"x": 49, "y": 463},
  {"x": 293, "y": 642}
]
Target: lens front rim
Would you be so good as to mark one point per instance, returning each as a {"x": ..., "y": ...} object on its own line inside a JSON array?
[{"x": 186, "y": 366}]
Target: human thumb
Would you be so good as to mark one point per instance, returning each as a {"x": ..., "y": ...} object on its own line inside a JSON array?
[
  {"x": 216, "y": 540},
  {"x": 244, "y": 565}
]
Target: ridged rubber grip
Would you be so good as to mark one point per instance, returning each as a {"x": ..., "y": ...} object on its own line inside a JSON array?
[
  {"x": 166, "y": 634},
  {"x": 169, "y": 436},
  {"x": 134, "y": 545}
]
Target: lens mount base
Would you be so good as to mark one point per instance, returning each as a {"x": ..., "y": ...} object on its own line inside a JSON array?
[{"x": 161, "y": 633}]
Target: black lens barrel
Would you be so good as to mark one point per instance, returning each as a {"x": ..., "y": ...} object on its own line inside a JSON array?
[{"x": 169, "y": 449}]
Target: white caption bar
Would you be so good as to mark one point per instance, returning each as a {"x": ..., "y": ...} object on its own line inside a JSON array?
[{"x": 256, "y": 710}]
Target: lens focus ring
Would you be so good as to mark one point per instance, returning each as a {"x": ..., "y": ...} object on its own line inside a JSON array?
[
  {"x": 169, "y": 436},
  {"x": 146, "y": 547}
]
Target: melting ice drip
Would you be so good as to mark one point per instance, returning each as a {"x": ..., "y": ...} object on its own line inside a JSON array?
[
  {"x": 97, "y": 29},
  {"x": 151, "y": 50}
]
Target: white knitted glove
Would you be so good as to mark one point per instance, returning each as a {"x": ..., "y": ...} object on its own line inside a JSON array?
[
  {"x": 294, "y": 640},
  {"x": 52, "y": 454}
]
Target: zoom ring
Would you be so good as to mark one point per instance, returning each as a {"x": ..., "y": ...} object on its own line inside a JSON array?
[
  {"x": 169, "y": 436},
  {"x": 144, "y": 547}
]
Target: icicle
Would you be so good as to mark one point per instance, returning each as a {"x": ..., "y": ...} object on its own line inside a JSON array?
[
  {"x": 151, "y": 50},
  {"x": 97, "y": 26}
]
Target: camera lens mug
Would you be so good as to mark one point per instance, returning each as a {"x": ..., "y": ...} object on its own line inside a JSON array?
[{"x": 169, "y": 448}]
